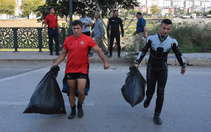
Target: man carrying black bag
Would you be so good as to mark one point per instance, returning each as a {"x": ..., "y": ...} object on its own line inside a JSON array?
[
  {"x": 77, "y": 66},
  {"x": 157, "y": 70}
]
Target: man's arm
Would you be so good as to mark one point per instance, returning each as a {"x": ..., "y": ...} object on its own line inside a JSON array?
[
  {"x": 61, "y": 57},
  {"x": 102, "y": 29},
  {"x": 142, "y": 53},
  {"x": 95, "y": 27},
  {"x": 179, "y": 57},
  {"x": 143, "y": 24},
  {"x": 90, "y": 23},
  {"x": 134, "y": 33},
  {"x": 145, "y": 32},
  {"x": 102, "y": 56},
  {"x": 108, "y": 28},
  {"x": 45, "y": 33}
]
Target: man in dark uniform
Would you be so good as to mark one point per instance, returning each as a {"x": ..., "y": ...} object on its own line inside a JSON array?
[
  {"x": 157, "y": 70},
  {"x": 113, "y": 24},
  {"x": 53, "y": 30}
]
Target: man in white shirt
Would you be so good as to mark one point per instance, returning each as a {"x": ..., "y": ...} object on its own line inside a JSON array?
[{"x": 87, "y": 22}]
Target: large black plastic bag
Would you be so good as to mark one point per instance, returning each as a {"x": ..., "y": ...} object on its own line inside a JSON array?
[
  {"x": 134, "y": 89},
  {"x": 47, "y": 97}
]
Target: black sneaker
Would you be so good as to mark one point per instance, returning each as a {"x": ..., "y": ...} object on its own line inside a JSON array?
[
  {"x": 157, "y": 119},
  {"x": 119, "y": 56},
  {"x": 110, "y": 56},
  {"x": 80, "y": 111},
  {"x": 106, "y": 53},
  {"x": 51, "y": 53},
  {"x": 146, "y": 103},
  {"x": 57, "y": 53},
  {"x": 73, "y": 113}
]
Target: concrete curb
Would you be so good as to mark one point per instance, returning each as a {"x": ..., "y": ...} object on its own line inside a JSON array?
[
  {"x": 192, "y": 59},
  {"x": 190, "y": 62}
]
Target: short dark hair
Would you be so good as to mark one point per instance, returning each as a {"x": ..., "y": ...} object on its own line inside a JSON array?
[
  {"x": 77, "y": 22},
  {"x": 114, "y": 11},
  {"x": 166, "y": 21},
  {"x": 50, "y": 9}
]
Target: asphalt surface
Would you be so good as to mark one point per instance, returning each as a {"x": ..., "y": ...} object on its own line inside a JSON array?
[
  {"x": 11, "y": 68},
  {"x": 186, "y": 108}
]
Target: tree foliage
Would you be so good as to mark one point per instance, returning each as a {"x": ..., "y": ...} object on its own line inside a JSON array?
[
  {"x": 90, "y": 6},
  {"x": 154, "y": 9},
  {"x": 29, "y": 6},
  {"x": 7, "y": 7}
]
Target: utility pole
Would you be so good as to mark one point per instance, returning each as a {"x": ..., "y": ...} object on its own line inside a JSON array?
[{"x": 70, "y": 32}]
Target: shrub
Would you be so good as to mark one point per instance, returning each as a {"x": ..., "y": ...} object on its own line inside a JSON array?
[
  {"x": 193, "y": 35},
  {"x": 189, "y": 36}
]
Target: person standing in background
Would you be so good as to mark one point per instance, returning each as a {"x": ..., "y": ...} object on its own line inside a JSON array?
[
  {"x": 140, "y": 32},
  {"x": 53, "y": 30},
  {"x": 98, "y": 33},
  {"x": 113, "y": 24},
  {"x": 87, "y": 22}
]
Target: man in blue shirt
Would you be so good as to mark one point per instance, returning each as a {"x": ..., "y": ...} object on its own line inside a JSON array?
[
  {"x": 98, "y": 33},
  {"x": 140, "y": 32}
]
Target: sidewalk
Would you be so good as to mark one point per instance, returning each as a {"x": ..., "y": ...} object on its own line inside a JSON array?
[{"x": 193, "y": 59}]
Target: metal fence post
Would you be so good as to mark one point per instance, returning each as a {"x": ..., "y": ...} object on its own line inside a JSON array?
[
  {"x": 15, "y": 39},
  {"x": 64, "y": 35},
  {"x": 40, "y": 39}
]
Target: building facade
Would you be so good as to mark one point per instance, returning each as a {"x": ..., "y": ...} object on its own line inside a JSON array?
[{"x": 171, "y": 6}]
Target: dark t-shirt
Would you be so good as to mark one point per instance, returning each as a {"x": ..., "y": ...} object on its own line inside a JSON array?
[{"x": 115, "y": 22}]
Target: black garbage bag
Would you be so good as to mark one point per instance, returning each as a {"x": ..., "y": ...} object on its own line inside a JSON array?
[
  {"x": 47, "y": 97},
  {"x": 134, "y": 89}
]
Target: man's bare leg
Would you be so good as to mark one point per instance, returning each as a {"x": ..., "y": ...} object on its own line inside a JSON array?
[
  {"x": 81, "y": 84},
  {"x": 72, "y": 88}
]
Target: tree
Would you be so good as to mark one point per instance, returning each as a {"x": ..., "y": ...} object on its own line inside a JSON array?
[
  {"x": 7, "y": 7},
  {"x": 154, "y": 9},
  {"x": 29, "y": 6},
  {"x": 90, "y": 6}
]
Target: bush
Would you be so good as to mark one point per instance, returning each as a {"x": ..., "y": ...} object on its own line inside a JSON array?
[
  {"x": 193, "y": 35},
  {"x": 192, "y": 38}
]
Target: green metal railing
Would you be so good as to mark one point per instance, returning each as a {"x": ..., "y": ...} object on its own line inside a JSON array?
[{"x": 26, "y": 37}]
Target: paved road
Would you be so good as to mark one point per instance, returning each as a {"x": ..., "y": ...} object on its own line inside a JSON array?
[
  {"x": 11, "y": 68},
  {"x": 186, "y": 108}
]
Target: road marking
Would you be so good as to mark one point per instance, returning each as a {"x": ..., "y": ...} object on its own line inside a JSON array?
[
  {"x": 21, "y": 75},
  {"x": 16, "y": 103}
]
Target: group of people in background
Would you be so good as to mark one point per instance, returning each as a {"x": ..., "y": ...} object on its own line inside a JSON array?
[{"x": 98, "y": 32}]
